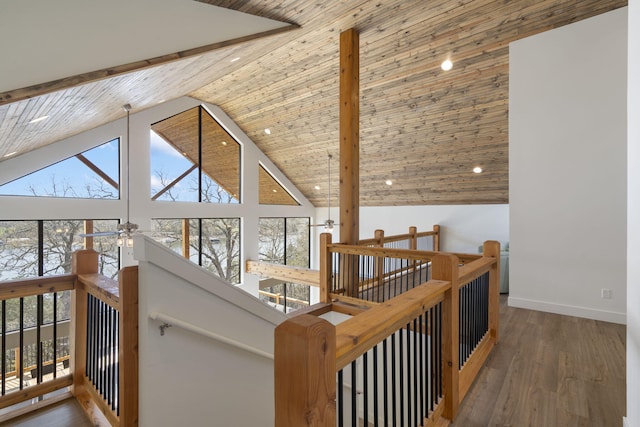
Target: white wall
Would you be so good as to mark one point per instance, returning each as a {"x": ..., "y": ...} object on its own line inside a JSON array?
[
  {"x": 633, "y": 219},
  {"x": 187, "y": 379},
  {"x": 463, "y": 227},
  {"x": 567, "y": 127}
]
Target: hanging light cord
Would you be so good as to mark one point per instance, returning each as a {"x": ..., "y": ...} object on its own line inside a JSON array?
[
  {"x": 329, "y": 187},
  {"x": 127, "y": 108}
]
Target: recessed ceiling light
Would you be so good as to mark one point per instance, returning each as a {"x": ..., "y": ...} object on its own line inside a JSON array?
[
  {"x": 161, "y": 101},
  {"x": 39, "y": 119},
  {"x": 388, "y": 182},
  {"x": 223, "y": 142},
  {"x": 317, "y": 187},
  {"x": 267, "y": 131},
  {"x": 477, "y": 169},
  {"x": 446, "y": 65},
  {"x": 274, "y": 190},
  {"x": 10, "y": 154},
  {"x": 235, "y": 59}
]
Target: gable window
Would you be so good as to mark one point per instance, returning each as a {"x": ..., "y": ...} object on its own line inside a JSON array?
[
  {"x": 194, "y": 159},
  {"x": 271, "y": 191},
  {"x": 92, "y": 174}
]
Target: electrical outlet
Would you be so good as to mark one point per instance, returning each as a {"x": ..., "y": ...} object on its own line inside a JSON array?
[{"x": 606, "y": 293}]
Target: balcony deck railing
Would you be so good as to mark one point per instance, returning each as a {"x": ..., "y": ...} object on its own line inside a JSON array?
[
  {"x": 75, "y": 320},
  {"x": 456, "y": 327}
]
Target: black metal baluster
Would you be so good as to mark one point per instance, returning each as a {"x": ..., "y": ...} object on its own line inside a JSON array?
[
  {"x": 21, "y": 366},
  {"x": 365, "y": 389},
  {"x": 415, "y": 371},
  {"x": 434, "y": 365},
  {"x": 376, "y": 416},
  {"x": 385, "y": 383},
  {"x": 439, "y": 349},
  {"x": 54, "y": 340},
  {"x": 421, "y": 364},
  {"x": 340, "y": 399},
  {"x": 354, "y": 394},
  {"x": 401, "y": 363},
  {"x": 393, "y": 379},
  {"x": 3, "y": 363}
]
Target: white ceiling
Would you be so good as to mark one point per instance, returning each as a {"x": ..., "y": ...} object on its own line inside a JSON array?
[{"x": 44, "y": 40}]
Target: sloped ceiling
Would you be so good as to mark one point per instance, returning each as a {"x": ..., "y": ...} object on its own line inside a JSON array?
[{"x": 420, "y": 127}]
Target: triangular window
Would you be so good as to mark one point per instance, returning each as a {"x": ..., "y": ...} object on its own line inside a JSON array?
[
  {"x": 272, "y": 192},
  {"x": 92, "y": 174},
  {"x": 194, "y": 159}
]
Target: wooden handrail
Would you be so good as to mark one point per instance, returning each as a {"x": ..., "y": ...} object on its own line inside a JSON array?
[
  {"x": 381, "y": 252},
  {"x": 299, "y": 275},
  {"x": 475, "y": 269},
  {"x": 37, "y": 286},
  {"x": 380, "y": 239},
  {"x": 357, "y": 335}
]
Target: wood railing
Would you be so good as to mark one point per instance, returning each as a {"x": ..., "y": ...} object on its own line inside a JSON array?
[
  {"x": 465, "y": 286},
  {"x": 422, "y": 241},
  {"x": 99, "y": 363}
]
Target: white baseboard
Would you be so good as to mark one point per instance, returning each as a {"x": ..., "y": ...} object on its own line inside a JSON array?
[
  {"x": 625, "y": 423},
  {"x": 569, "y": 310}
]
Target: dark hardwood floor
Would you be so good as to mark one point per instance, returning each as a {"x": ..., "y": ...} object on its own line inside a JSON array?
[
  {"x": 550, "y": 370},
  {"x": 66, "y": 413}
]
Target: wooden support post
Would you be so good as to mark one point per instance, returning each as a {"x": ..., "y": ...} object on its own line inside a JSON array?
[
  {"x": 305, "y": 372},
  {"x": 326, "y": 267},
  {"x": 491, "y": 248},
  {"x": 378, "y": 263},
  {"x": 436, "y": 238},
  {"x": 186, "y": 244},
  {"x": 82, "y": 262},
  {"x": 445, "y": 267},
  {"x": 349, "y": 136},
  {"x": 128, "y": 351}
]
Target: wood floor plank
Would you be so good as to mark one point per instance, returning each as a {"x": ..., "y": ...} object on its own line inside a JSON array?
[{"x": 549, "y": 370}]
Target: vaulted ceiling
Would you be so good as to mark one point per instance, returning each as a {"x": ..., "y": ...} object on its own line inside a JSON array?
[{"x": 423, "y": 128}]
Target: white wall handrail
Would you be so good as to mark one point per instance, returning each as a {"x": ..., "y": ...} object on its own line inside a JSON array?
[{"x": 172, "y": 321}]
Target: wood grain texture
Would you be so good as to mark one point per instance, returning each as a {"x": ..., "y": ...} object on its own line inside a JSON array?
[
  {"x": 549, "y": 370},
  {"x": 421, "y": 127}
]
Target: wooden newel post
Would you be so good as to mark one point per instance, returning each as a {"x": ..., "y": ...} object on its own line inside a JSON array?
[
  {"x": 445, "y": 267},
  {"x": 326, "y": 267},
  {"x": 413, "y": 238},
  {"x": 379, "y": 236},
  {"x": 128, "y": 346},
  {"x": 436, "y": 238},
  {"x": 82, "y": 262},
  {"x": 491, "y": 248},
  {"x": 305, "y": 372}
]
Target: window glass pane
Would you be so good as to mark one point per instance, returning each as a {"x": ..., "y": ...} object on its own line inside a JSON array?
[
  {"x": 91, "y": 174},
  {"x": 61, "y": 238},
  {"x": 18, "y": 249},
  {"x": 107, "y": 248},
  {"x": 221, "y": 247},
  {"x": 271, "y": 192},
  {"x": 271, "y": 242},
  {"x": 174, "y": 176},
  {"x": 220, "y": 162},
  {"x": 169, "y": 233},
  {"x": 298, "y": 242}
]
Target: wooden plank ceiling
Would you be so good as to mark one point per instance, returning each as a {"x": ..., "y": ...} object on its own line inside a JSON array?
[{"x": 420, "y": 127}]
